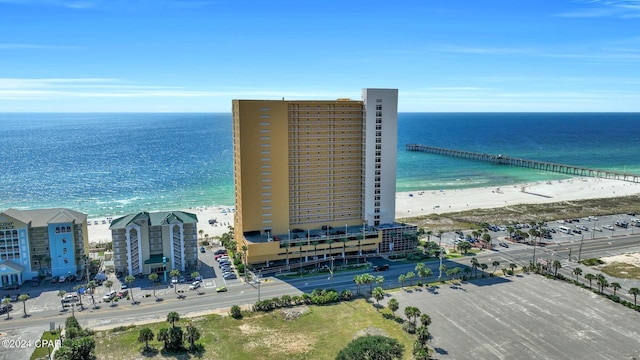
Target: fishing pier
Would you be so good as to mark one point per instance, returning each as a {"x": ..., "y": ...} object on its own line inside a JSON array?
[{"x": 525, "y": 163}]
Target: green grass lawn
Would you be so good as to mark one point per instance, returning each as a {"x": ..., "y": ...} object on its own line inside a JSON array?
[
  {"x": 42, "y": 352},
  {"x": 318, "y": 333},
  {"x": 621, "y": 270}
]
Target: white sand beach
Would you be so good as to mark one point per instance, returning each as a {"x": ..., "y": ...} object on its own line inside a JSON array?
[
  {"x": 416, "y": 203},
  {"x": 409, "y": 204}
]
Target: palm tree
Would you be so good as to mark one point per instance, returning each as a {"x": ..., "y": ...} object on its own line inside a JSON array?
[
  {"x": 486, "y": 237},
  {"x": 108, "y": 284},
  {"x": 5, "y": 302},
  {"x": 368, "y": 279},
  {"x": 484, "y": 267},
  {"x": 153, "y": 277},
  {"x": 401, "y": 279},
  {"x": 379, "y": 280},
  {"x": 76, "y": 289},
  {"x": 577, "y": 272},
  {"x": 192, "y": 335},
  {"x": 602, "y": 282},
  {"x": 393, "y": 305},
  {"x": 634, "y": 291},
  {"x": 378, "y": 294},
  {"x": 412, "y": 312},
  {"x": 91, "y": 285},
  {"x": 129, "y": 280},
  {"x": 245, "y": 249},
  {"x": 145, "y": 336},
  {"x": 513, "y": 267},
  {"x": 475, "y": 264},
  {"x": 61, "y": 294},
  {"x": 419, "y": 269},
  {"x": 556, "y": 266},
  {"x": 495, "y": 264},
  {"x": 615, "y": 286},
  {"x": 589, "y": 277},
  {"x": 359, "y": 281},
  {"x": 425, "y": 320},
  {"x": 163, "y": 335},
  {"x": 174, "y": 274},
  {"x": 24, "y": 298},
  {"x": 467, "y": 271},
  {"x": 510, "y": 231},
  {"x": 172, "y": 318},
  {"x": 200, "y": 232},
  {"x": 410, "y": 275}
]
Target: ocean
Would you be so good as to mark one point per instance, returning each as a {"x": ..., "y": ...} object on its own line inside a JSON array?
[{"x": 111, "y": 164}]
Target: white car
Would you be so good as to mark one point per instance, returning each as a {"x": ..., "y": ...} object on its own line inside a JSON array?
[
  {"x": 109, "y": 296},
  {"x": 608, "y": 227},
  {"x": 194, "y": 285},
  {"x": 62, "y": 279}
]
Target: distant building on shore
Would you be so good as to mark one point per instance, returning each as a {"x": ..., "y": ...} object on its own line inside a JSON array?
[
  {"x": 42, "y": 242},
  {"x": 145, "y": 243},
  {"x": 315, "y": 180}
]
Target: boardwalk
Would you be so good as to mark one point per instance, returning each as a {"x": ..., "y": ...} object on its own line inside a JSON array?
[{"x": 533, "y": 164}]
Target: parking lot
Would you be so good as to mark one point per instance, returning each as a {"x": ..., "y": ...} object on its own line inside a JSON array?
[
  {"x": 526, "y": 317},
  {"x": 562, "y": 230}
]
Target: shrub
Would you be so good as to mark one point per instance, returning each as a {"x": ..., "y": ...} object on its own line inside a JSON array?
[{"x": 235, "y": 312}]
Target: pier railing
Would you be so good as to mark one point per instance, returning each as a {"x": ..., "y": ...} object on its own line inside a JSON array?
[{"x": 526, "y": 163}]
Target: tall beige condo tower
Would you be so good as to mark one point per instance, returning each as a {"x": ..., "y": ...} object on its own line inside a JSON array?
[{"x": 313, "y": 179}]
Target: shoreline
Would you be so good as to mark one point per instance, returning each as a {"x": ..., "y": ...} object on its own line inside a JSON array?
[{"x": 425, "y": 202}]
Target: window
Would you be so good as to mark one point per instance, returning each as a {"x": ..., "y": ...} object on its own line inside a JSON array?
[
  {"x": 265, "y": 130},
  {"x": 265, "y": 117},
  {"x": 378, "y": 113},
  {"x": 265, "y": 138},
  {"x": 378, "y": 107},
  {"x": 265, "y": 123}
]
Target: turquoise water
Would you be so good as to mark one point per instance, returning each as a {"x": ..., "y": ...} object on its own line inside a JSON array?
[{"x": 113, "y": 164}]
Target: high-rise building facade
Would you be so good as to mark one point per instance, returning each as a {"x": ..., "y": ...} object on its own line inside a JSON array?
[
  {"x": 155, "y": 242},
  {"x": 314, "y": 179}
]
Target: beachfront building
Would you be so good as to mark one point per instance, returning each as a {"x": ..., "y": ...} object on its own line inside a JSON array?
[
  {"x": 315, "y": 179},
  {"x": 145, "y": 243},
  {"x": 41, "y": 243}
]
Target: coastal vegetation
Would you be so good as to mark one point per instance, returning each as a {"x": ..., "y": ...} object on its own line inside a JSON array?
[
  {"x": 526, "y": 213},
  {"x": 303, "y": 331}
]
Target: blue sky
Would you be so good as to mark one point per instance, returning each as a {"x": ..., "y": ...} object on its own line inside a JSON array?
[{"x": 198, "y": 55}]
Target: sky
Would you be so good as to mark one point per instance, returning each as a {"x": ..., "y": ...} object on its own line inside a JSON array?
[{"x": 198, "y": 55}]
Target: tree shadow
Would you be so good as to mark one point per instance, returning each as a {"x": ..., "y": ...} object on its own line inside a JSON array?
[
  {"x": 151, "y": 352},
  {"x": 440, "y": 351}
]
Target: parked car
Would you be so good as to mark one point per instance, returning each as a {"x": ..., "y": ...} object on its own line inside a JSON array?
[
  {"x": 194, "y": 285},
  {"x": 62, "y": 279},
  {"x": 55, "y": 279},
  {"x": 124, "y": 286},
  {"x": 35, "y": 282},
  {"x": 69, "y": 298},
  {"x": 220, "y": 251},
  {"x": 608, "y": 227},
  {"x": 174, "y": 280},
  {"x": 202, "y": 249},
  {"x": 229, "y": 276},
  {"x": 504, "y": 245},
  {"x": 122, "y": 294}
]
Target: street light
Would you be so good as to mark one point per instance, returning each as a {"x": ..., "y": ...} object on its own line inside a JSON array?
[
  {"x": 331, "y": 271},
  {"x": 580, "y": 251},
  {"x": 164, "y": 268}
]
